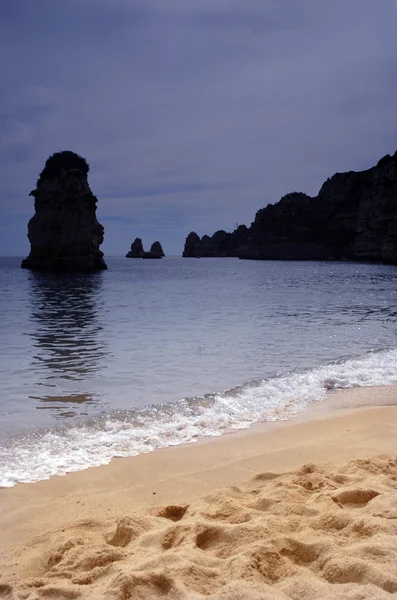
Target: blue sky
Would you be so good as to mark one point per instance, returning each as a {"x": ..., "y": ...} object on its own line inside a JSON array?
[{"x": 193, "y": 114}]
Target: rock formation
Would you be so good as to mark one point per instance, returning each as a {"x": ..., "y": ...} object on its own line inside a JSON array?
[
  {"x": 156, "y": 250},
  {"x": 354, "y": 217},
  {"x": 137, "y": 251},
  {"x": 220, "y": 244},
  {"x": 64, "y": 233},
  {"x": 192, "y": 246}
]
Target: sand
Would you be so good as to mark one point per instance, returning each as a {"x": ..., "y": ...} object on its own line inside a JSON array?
[{"x": 303, "y": 510}]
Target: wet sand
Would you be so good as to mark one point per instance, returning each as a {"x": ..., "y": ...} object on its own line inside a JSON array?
[{"x": 305, "y": 509}]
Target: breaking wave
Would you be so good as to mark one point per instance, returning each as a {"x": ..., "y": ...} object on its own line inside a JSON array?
[{"x": 57, "y": 451}]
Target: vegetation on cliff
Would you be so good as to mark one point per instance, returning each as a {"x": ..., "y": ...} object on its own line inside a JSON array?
[{"x": 59, "y": 161}]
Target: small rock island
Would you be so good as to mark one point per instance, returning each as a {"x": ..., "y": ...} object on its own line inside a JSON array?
[
  {"x": 137, "y": 251},
  {"x": 64, "y": 232},
  {"x": 156, "y": 251}
]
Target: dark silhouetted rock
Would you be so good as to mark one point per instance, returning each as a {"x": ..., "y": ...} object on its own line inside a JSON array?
[
  {"x": 156, "y": 250},
  {"x": 64, "y": 233},
  {"x": 354, "y": 217},
  {"x": 192, "y": 246},
  {"x": 220, "y": 244},
  {"x": 137, "y": 250}
]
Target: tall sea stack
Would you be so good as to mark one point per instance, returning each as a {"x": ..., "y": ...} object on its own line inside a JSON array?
[{"x": 64, "y": 232}]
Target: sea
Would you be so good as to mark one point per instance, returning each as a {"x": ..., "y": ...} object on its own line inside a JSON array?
[{"x": 157, "y": 353}]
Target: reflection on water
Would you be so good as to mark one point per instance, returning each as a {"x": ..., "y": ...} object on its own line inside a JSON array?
[
  {"x": 155, "y": 332},
  {"x": 65, "y": 337}
]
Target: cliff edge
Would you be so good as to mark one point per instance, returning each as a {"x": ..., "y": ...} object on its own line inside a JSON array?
[{"x": 354, "y": 217}]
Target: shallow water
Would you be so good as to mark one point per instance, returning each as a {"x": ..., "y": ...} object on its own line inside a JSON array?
[{"x": 153, "y": 353}]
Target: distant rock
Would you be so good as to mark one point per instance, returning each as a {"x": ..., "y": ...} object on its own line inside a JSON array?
[
  {"x": 64, "y": 233},
  {"x": 137, "y": 250},
  {"x": 192, "y": 246},
  {"x": 221, "y": 244},
  {"x": 354, "y": 217},
  {"x": 156, "y": 250}
]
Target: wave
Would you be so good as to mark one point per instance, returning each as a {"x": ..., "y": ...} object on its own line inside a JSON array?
[{"x": 42, "y": 454}]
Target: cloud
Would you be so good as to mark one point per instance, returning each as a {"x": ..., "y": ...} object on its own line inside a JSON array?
[{"x": 192, "y": 114}]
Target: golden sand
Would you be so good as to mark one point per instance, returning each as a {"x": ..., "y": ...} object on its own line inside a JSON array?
[{"x": 140, "y": 528}]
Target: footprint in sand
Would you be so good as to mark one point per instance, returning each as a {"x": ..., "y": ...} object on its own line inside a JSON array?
[{"x": 354, "y": 498}]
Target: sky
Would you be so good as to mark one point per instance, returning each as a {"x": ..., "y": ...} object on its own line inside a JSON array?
[{"x": 192, "y": 114}]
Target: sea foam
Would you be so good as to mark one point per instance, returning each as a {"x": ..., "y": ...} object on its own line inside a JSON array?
[{"x": 41, "y": 454}]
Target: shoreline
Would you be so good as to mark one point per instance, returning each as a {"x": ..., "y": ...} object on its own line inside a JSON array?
[
  {"x": 356, "y": 423},
  {"x": 70, "y": 445}
]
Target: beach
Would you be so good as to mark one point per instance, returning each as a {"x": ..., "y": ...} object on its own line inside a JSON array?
[
  {"x": 300, "y": 509},
  {"x": 181, "y": 429}
]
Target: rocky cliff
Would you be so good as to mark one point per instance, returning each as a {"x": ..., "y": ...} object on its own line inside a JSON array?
[
  {"x": 64, "y": 233},
  {"x": 220, "y": 244},
  {"x": 354, "y": 217}
]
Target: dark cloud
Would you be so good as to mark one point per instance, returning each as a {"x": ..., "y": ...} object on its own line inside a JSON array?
[{"x": 192, "y": 113}]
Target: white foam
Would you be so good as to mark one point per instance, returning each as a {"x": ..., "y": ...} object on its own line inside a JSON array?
[{"x": 56, "y": 452}]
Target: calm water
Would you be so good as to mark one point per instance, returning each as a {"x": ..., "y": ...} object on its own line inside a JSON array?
[{"x": 152, "y": 353}]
